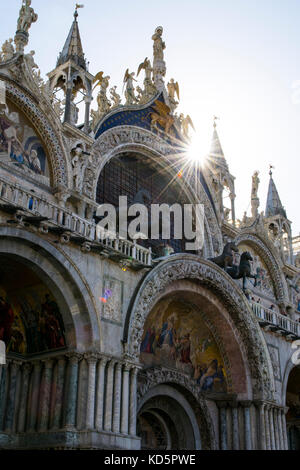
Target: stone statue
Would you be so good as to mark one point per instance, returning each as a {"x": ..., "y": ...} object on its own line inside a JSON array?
[
  {"x": 173, "y": 88},
  {"x": 78, "y": 165},
  {"x": 74, "y": 113},
  {"x": 158, "y": 45},
  {"x": 255, "y": 185},
  {"x": 129, "y": 91},
  {"x": 115, "y": 97},
  {"x": 254, "y": 198},
  {"x": 30, "y": 61},
  {"x": 27, "y": 16},
  {"x": 7, "y": 50},
  {"x": 103, "y": 103},
  {"x": 149, "y": 88},
  {"x": 186, "y": 122},
  {"x": 139, "y": 93}
]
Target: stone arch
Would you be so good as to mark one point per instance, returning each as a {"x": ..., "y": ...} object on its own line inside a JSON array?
[
  {"x": 64, "y": 281},
  {"x": 272, "y": 261},
  {"x": 161, "y": 381},
  {"x": 58, "y": 159},
  {"x": 253, "y": 350},
  {"x": 134, "y": 139}
]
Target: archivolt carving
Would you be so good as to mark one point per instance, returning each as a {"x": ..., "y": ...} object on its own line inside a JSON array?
[
  {"x": 58, "y": 159},
  {"x": 192, "y": 267},
  {"x": 150, "y": 378},
  {"x": 272, "y": 263}
]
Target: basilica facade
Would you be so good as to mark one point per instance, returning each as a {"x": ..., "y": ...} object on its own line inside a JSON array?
[{"x": 133, "y": 343}]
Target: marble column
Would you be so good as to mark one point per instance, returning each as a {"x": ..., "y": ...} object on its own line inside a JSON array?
[
  {"x": 280, "y": 432},
  {"x": 125, "y": 401},
  {"x": 284, "y": 428},
  {"x": 235, "y": 425},
  {"x": 100, "y": 393},
  {"x": 132, "y": 402},
  {"x": 247, "y": 425},
  {"x": 90, "y": 412},
  {"x": 272, "y": 433},
  {"x": 109, "y": 396},
  {"x": 117, "y": 398},
  {"x": 223, "y": 424},
  {"x": 71, "y": 402},
  {"x": 262, "y": 425},
  {"x": 35, "y": 392},
  {"x": 3, "y": 394},
  {"x": 268, "y": 431},
  {"x": 10, "y": 409},
  {"x": 276, "y": 428},
  {"x": 45, "y": 395},
  {"x": 59, "y": 389},
  {"x": 24, "y": 397}
]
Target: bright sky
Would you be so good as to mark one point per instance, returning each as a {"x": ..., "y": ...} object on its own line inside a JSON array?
[{"x": 236, "y": 59}]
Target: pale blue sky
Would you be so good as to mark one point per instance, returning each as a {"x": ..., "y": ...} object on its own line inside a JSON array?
[{"x": 237, "y": 59}]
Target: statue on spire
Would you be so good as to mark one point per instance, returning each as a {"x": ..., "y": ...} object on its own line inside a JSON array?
[
  {"x": 158, "y": 45},
  {"x": 254, "y": 197},
  {"x": 159, "y": 65},
  {"x": 27, "y": 16}
]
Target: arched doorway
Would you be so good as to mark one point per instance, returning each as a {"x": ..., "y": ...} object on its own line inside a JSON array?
[{"x": 293, "y": 404}]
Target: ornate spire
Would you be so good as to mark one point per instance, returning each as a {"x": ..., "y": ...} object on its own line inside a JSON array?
[
  {"x": 216, "y": 151},
  {"x": 72, "y": 49},
  {"x": 274, "y": 206}
]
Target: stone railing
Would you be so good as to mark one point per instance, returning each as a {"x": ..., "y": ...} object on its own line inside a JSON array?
[
  {"x": 279, "y": 322},
  {"x": 34, "y": 205}
]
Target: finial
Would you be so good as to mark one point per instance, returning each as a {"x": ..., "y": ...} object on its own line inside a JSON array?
[
  {"x": 76, "y": 8},
  {"x": 270, "y": 172},
  {"x": 215, "y": 119}
]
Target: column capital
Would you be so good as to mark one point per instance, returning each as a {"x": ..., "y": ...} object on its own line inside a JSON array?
[
  {"x": 91, "y": 357},
  {"x": 222, "y": 404},
  {"x": 27, "y": 367},
  {"x": 119, "y": 366},
  {"x": 74, "y": 357},
  {"x": 246, "y": 403},
  {"x": 48, "y": 362}
]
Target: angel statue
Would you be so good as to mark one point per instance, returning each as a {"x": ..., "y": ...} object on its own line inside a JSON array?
[
  {"x": 115, "y": 97},
  {"x": 146, "y": 65},
  {"x": 102, "y": 100},
  {"x": 149, "y": 88},
  {"x": 7, "y": 50},
  {"x": 173, "y": 88},
  {"x": 27, "y": 16},
  {"x": 158, "y": 45},
  {"x": 129, "y": 91},
  {"x": 186, "y": 122}
]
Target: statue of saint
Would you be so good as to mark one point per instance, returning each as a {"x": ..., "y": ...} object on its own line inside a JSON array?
[
  {"x": 158, "y": 45},
  {"x": 255, "y": 184},
  {"x": 27, "y": 16}
]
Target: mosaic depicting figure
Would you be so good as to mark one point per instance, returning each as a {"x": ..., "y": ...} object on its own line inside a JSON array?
[
  {"x": 30, "y": 321},
  {"x": 20, "y": 144},
  {"x": 175, "y": 336}
]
